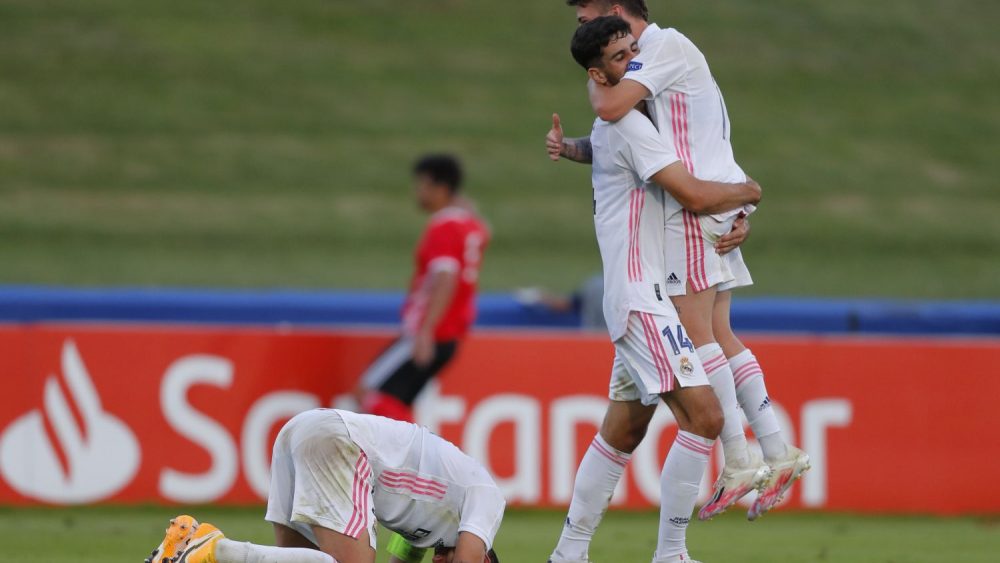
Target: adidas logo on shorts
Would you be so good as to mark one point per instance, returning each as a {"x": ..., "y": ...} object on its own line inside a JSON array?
[{"x": 673, "y": 279}]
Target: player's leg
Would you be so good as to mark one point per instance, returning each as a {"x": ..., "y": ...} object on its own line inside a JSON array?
[
  {"x": 320, "y": 492},
  {"x": 194, "y": 542},
  {"x": 751, "y": 391},
  {"x": 695, "y": 311},
  {"x": 395, "y": 393},
  {"x": 787, "y": 462},
  {"x": 344, "y": 548},
  {"x": 602, "y": 466},
  {"x": 699, "y": 421}
]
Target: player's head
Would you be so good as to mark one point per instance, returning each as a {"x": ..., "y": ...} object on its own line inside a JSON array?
[
  {"x": 447, "y": 555},
  {"x": 438, "y": 178},
  {"x": 604, "y": 46},
  {"x": 587, "y": 10}
]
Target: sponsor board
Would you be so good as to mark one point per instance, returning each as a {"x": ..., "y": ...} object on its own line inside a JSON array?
[{"x": 135, "y": 414}]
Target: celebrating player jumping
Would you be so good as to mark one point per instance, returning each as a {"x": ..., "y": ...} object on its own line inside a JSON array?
[
  {"x": 335, "y": 475},
  {"x": 673, "y": 78},
  {"x": 633, "y": 173}
]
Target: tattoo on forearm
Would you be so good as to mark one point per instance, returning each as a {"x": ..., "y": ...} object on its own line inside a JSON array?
[{"x": 578, "y": 150}]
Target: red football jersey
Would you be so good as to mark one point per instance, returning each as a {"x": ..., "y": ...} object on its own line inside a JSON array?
[{"x": 454, "y": 241}]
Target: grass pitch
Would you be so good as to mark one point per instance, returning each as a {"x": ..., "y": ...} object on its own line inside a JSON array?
[
  {"x": 112, "y": 534},
  {"x": 257, "y": 143}
]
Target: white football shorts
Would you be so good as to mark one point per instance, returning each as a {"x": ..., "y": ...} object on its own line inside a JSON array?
[
  {"x": 654, "y": 357},
  {"x": 691, "y": 257},
  {"x": 320, "y": 477}
]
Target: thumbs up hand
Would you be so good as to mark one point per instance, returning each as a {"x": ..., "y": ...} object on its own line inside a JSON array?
[{"x": 554, "y": 139}]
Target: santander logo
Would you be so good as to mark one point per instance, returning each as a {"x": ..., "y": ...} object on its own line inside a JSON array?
[{"x": 91, "y": 456}]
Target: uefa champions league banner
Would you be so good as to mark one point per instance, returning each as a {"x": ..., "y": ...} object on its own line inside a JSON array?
[{"x": 137, "y": 414}]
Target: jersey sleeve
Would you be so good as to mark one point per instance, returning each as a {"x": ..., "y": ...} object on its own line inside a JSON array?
[
  {"x": 658, "y": 66},
  {"x": 642, "y": 148},
  {"x": 482, "y": 513},
  {"x": 445, "y": 245}
]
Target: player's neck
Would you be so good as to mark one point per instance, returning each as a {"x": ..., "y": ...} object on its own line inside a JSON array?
[
  {"x": 439, "y": 205},
  {"x": 638, "y": 26}
]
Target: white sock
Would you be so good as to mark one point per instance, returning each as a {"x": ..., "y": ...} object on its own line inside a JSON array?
[
  {"x": 752, "y": 394},
  {"x": 679, "y": 482},
  {"x": 229, "y": 551},
  {"x": 734, "y": 441},
  {"x": 600, "y": 470}
]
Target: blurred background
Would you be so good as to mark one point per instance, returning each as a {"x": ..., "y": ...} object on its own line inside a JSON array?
[
  {"x": 197, "y": 151},
  {"x": 261, "y": 144}
]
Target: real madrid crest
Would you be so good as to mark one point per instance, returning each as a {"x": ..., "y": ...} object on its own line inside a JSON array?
[{"x": 687, "y": 368}]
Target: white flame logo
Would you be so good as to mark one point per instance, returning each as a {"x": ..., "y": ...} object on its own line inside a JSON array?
[{"x": 101, "y": 453}]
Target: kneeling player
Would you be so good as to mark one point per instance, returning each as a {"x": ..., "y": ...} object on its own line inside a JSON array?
[{"x": 335, "y": 474}]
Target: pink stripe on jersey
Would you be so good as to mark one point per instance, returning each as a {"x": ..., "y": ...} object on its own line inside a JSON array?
[
  {"x": 692, "y": 228},
  {"x": 693, "y": 445},
  {"x": 678, "y": 120},
  {"x": 360, "y": 496},
  {"x": 616, "y": 458},
  {"x": 659, "y": 353},
  {"x": 412, "y": 482},
  {"x": 637, "y": 200},
  {"x": 716, "y": 363},
  {"x": 641, "y": 195},
  {"x": 696, "y": 256},
  {"x": 409, "y": 485}
]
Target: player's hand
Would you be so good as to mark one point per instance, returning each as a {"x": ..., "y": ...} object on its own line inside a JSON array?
[
  {"x": 554, "y": 140},
  {"x": 758, "y": 191},
  {"x": 735, "y": 237},
  {"x": 423, "y": 349}
]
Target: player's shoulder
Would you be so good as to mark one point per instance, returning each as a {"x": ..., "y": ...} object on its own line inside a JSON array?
[
  {"x": 661, "y": 42},
  {"x": 632, "y": 124}
]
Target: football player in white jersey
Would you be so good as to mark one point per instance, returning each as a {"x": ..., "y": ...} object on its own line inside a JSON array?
[
  {"x": 638, "y": 181},
  {"x": 672, "y": 77},
  {"x": 335, "y": 475}
]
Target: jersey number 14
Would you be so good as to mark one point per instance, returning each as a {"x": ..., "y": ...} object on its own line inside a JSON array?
[{"x": 680, "y": 341}]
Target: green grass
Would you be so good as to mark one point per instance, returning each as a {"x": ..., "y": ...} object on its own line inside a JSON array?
[
  {"x": 105, "y": 535},
  {"x": 255, "y": 143}
]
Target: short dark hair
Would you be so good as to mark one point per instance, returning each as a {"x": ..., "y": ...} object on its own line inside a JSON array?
[
  {"x": 493, "y": 556},
  {"x": 591, "y": 38},
  {"x": 441, "y": 169},
  {"x": 636, "y": 8}
]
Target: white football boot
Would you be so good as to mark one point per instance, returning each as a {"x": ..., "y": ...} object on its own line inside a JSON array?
[
  {"x": 784, "y": 473},
  {"x": 734, "y": 483}
]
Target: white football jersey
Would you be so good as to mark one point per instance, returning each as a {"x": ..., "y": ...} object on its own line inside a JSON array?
[
  {"x": 629, "y": 214},
  {"x": 687, "y": 105},
  {"x": 425, "y": 488}
]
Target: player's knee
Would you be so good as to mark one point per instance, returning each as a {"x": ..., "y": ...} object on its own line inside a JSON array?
[
  {"x": 708, "y": 423},
  {"x": 632, "y": 438}
]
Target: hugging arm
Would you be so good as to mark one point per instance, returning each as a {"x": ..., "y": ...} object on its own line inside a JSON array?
[{"x": 703, "y": 196}]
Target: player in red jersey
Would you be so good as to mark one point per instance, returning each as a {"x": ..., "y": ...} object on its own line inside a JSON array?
[{"x": 440, "y": 305}]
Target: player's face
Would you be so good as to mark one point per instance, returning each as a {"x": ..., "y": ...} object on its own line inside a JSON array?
[
  {"x": 614, "y": 62},
  {"x": 593, "y": 11},
  {"x": 427, "y": 192}
]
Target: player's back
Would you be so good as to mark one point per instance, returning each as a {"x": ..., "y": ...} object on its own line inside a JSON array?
[
  {"x": 686, "y": 105},
  {"x": 423, "y": 484},
  {"x": 629, "y": 214}
]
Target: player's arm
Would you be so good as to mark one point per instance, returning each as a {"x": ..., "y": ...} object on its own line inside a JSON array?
[
  {"x": 443, "y": 278},
  {"x": 703, "y": 196},
  {"x": 651, "y": 72},
  {"x": 469, "y": 548},
  {"x": 611, "y": 103},
  {"x": 576, "y": 149}
]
